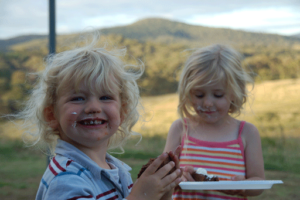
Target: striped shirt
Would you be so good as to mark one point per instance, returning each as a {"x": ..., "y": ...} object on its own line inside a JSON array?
[
  {"x": 72, "y": 175},
  {"x": 222, "y": 159}
]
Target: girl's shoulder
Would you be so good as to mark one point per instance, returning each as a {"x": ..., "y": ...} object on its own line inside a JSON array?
[
  {"x": 177, "y": 129},
  {"x": 250, "y": 133},
  {"x": 249, "y": 128},
  {"x": 178, "y": 125}
]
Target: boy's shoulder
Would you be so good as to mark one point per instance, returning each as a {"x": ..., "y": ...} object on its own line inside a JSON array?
[{"x": 60, "y": 165}]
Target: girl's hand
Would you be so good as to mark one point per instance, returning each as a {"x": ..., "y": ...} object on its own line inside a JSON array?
[
  {"x": 235, "y": 192},
  {"x": 187, "y": 173},
  {"x": 153, "y": 183}
]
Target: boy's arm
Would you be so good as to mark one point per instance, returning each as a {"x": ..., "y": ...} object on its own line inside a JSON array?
[{"x": 68, "y": 187}]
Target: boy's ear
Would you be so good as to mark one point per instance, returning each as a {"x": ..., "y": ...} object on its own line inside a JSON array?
[
  {"x": 50, "y": 117},
  {"x": 123, "y": 113}
]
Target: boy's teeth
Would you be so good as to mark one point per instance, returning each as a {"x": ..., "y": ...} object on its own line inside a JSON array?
[{"x": 92, "y": 122}]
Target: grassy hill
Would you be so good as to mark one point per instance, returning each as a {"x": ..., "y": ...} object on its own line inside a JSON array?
[
  {"x": 163, "y": 30},
  {"x": 5, "y": 44},
  {"x": 162, "y": 45},
  {"x": 166, "y": 31}
]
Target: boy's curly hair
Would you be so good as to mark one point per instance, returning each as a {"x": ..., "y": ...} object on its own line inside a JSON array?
[{"x": 68, "y": 70}]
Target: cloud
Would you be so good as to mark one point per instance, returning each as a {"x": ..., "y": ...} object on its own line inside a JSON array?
[
  {"x": 280, "y": 20},
  {"x": 19, "y": 17}
]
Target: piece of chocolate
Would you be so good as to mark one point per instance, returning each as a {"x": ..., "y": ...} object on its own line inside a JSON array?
[
  {"x": 201, "y": 175},
  {"x": 166, "y": 161}
]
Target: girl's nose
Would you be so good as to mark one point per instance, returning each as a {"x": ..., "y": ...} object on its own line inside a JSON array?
[
  {"x": 93, "y": 106},
  {"x": 208, "y": 102}
]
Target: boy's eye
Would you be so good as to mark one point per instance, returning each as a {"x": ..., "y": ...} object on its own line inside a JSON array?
[
  {"x": 105, "y": 98},
  {"x": 77, "y": 99}
]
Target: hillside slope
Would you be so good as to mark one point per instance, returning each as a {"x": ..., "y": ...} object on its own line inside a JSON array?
[
  {"x": 163, "y": 30},
  {"x": 167, "y": 31}
]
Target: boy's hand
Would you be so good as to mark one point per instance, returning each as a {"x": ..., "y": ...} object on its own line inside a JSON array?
[
  {"x": 174, "y": 157},
  {"x": 155, "y": 183}
]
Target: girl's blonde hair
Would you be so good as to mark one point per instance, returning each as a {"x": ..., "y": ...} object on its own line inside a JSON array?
[
  {"x": 216, "y": 63},
  {"x": 98, "y": 69}
]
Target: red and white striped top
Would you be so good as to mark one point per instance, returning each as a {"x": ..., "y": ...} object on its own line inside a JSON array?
[{"x": 223, "y": 159}]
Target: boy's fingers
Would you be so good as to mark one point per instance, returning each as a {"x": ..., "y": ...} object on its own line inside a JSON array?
[
  {"x": 174, "y": 158},
  {"x": 162, "y": 172},
  {"x": 177, "y": 151},
  {"x": 173, "y": 179},
  {"x": 155, "y": 164}
]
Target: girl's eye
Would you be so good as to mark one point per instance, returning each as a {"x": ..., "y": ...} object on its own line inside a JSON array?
[
  {"x": 219, "y": 95},
  {"x": 77, "y": 99},
  {"x": 199, "y": 95}
]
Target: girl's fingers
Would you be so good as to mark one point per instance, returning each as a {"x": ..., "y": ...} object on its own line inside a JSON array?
[
  {"x": 187, "y": 173},
  {"x": 238, "y": 178}
]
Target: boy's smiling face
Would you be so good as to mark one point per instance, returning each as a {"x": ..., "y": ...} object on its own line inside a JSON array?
[{"x": 87, "y": 119}]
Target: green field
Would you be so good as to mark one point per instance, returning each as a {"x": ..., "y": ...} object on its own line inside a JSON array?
[{"x": 273, "y": 108}]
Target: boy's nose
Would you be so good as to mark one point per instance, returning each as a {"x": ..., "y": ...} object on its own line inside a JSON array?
[{"x": 93, "y": 106}]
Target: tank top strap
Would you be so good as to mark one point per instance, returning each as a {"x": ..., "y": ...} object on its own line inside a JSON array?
[
  {"x": 241, "y": 128},
  {"x": 185, "y": 125},
  {"x": 184, "y": 137}
]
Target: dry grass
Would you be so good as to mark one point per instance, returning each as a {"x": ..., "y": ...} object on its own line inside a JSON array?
[
  {"x": 273, "y": 107},
  {"x": 274, "y": 110}
]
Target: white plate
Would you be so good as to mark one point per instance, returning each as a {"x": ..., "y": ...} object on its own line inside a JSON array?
[{"x": 229, "y": 185}]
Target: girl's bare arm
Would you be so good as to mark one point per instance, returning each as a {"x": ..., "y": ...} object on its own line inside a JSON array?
[{"x": 174, "y": 136}]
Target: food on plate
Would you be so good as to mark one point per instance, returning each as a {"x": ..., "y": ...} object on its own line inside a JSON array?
[{"x": 201, "y": 175}]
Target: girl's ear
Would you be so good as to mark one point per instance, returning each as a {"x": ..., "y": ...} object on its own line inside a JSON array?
[{"x": 50, "y": 117}]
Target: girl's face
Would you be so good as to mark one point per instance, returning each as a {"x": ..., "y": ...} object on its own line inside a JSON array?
[
  {"x": 211, "y": 102},
  {"x": 88, "y": 119}
]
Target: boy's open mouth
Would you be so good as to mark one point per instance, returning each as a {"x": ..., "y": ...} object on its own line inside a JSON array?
[{"x": 92, "y": 122}]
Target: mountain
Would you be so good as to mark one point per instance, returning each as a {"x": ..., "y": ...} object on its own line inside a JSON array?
[
  {"x": 166, "y": 31},
  {"x": 296, "y": 35},
  {"x": 163, "y": 30},
  {"x": 5, "y": 44}
]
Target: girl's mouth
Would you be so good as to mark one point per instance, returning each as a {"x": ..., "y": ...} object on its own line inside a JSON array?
[{"x": 209, "y": 112}]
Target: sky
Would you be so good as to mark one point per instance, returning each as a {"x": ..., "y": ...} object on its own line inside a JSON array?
[{"x": 23, "y": 17}]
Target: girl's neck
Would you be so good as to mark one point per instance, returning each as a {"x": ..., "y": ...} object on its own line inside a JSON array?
[
  {"x": 220, "y": 123},
  {"x": 225, "y": 130}
]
